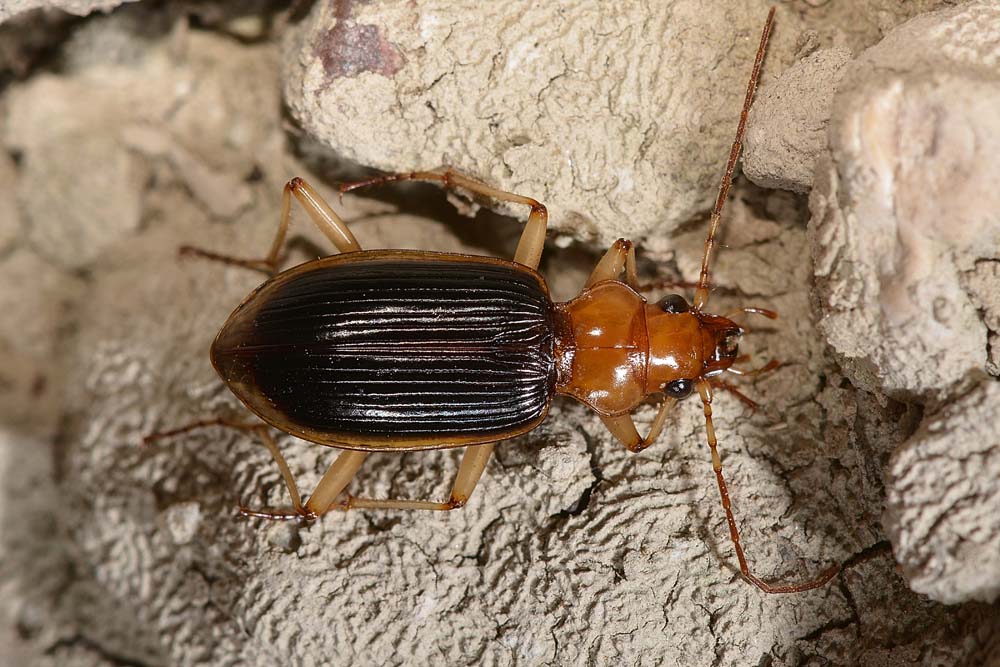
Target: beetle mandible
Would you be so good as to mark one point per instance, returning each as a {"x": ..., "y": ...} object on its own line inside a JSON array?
[{"x": 403, "y": 350}]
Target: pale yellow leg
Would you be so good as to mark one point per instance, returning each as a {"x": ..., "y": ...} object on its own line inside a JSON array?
[
  {"x": 336, "y": 479},
  {"x": 286, "y": 473},
  {"x": 623, "y": 427},
  {"x": 469, "y": 471},
  {"x": 262, "y": 431},
  {"x": 328, "y": 222},
  {"x": 340, "y": 474},
  {"x": 620, "y": 256},
  {"x": 529, "y": 248}
]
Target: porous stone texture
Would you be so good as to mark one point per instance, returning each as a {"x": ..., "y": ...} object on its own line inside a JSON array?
[
  {"x": 788, "y": 122},
  {"x": 604, "y": 112},
  {"x": 906, "y": 202},
  {"x": 619, "y": 116},
  {"x": 943, "y": 512},
  {"x": 11, "y": 8},
  {"x": 572, "y": 550},
  {"x": 905, "y": 239},
  {"x": 981, "y": 283},
  {"x": 92, "y": 196}
]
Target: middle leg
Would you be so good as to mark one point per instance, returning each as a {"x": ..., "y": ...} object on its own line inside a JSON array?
[
  {"x": 529, "y": 248},
  {"x": 469, "y": 472},
  {"x": 620, "y": 256},
  {"x": 324, "y": 217}
]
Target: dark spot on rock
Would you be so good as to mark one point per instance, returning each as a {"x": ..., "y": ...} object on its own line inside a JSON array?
[
  {"x": 256, "y": 175},
  {"x": 348, "y": 48},
  {"x": 38, "y": 385}
]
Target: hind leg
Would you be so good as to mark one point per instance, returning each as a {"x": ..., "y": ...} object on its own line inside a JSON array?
[{"x": 337, "y": 477}]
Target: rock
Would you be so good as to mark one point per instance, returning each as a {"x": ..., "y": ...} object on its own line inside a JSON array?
[
  {"x": 82, "y": 188},
  {"x": 11, "y": 230},
  {"x": 905, "y": 236},
  {"x": 943, "y": 511},
  {"x": 618, "y": 118},
  {"x": 571, "y": 551},
  {"x": 906, "y": 202},
  {"x": 12, "y": 8},
  {"x": 787, "y": 127}
]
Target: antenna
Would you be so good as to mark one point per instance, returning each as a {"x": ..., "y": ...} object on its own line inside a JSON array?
[{"x": 701, "y": 292}]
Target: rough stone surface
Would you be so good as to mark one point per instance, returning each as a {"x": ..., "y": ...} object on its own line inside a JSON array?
[
  {"x": 943, "y": 513},
  {"x": 10, "y": 217},
  {"x": 572, "y": 551},
  {"x": 788, "y": 122},
  {"x": 92, "y": 195},
  {"x": 12, "y": 8},
  {"x": 981, "y": 283},
  {"x": 906, "y": 202},
  {"x": 618, "y": 116},
  {"x": 604, "y": 113}
]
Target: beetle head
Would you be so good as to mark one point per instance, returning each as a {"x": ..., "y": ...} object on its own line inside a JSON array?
[
  {"x": 720, "y": 341},
  {"x": 686, "y": 345}
]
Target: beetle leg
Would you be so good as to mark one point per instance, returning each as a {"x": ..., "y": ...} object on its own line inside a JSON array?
[
  {"x": 469, "y": 472},
  {"x": 743, "y": 398},
  {"x": 754, "y": 372},
  {"x": 619, "y": 256},
  {"x": 623, "y": 427},
  {"x": 335, "y": 480},
  {"x": 261, "y": 431},
  {"x": 529, "y": 248},
  {"x": 705, "y": 390},
  {"x": 331, "y": 224}
]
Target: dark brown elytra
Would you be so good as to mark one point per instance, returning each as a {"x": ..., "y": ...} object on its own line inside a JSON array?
[{"x": 400, "y": 350}]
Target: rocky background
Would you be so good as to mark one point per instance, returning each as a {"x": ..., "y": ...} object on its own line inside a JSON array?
[{"x": 868, "y": 218}]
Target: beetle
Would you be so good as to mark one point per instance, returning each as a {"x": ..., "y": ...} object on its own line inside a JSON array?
[{"x": 399, "y": 350}]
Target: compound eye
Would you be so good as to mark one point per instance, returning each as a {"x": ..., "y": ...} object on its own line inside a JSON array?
[
  {"x": 678, "y": 388},
  {"x": 674, "y": 303}
]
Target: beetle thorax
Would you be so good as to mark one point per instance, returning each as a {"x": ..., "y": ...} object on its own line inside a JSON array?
[{"x": 614, "y": 348}]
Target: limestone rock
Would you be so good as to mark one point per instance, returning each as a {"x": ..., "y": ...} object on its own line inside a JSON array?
[
  {"x": 943, "y": 512},
  {"x": 617, "y": 116},
  {"x": 787, "y": 128},
  {"x": 906, "y": 202}
]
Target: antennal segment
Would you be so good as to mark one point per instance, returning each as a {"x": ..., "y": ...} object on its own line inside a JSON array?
[{"x": 701, "y": 292}]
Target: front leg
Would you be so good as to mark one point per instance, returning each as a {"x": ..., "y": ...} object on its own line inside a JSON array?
[
  {"x": 619, "y": 256},
  {"x": 623, "y": 427}
]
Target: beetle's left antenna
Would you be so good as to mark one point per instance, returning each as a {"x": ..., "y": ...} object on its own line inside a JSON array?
[{"x": 701, "y": 292}]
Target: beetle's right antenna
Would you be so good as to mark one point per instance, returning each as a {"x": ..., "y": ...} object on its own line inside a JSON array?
[{"x": 701, "y": 292}]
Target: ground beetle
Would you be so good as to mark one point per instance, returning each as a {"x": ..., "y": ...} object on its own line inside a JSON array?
[{"x": 405, "y": 350}]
